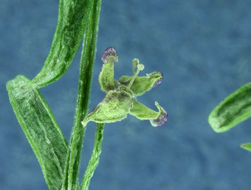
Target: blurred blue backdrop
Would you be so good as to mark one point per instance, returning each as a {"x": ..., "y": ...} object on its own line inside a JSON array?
[{"x": 204, "y": 50}]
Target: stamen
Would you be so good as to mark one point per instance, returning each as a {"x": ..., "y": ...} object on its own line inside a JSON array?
[
  {"x": 140, "y": 67},
  {"x": 135, "y": 62}
]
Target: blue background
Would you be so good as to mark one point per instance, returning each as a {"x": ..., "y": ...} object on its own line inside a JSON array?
[{"x": 203, "y": 47}]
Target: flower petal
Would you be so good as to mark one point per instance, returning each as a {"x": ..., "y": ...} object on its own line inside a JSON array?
[
  {"x": 114, "y": 107},
  {"x": 142, "y": 84},
  {"x": 142, "y": 112},
  {"x": 106, "y": 76},
  {"x": 162, "y": 118}
]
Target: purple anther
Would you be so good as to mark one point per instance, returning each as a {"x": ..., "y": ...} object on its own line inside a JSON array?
[
  {"x": 158, "y": 82},
  {"x": 160, "y": 121},
  {"x": 110, "y": 51}
]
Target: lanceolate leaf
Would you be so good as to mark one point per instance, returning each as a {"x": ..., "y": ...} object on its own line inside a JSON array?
[
  {"x": 232, "y": 110},
  {"x": 40, "y": 128},
  {"x": 72, "y": 19}
]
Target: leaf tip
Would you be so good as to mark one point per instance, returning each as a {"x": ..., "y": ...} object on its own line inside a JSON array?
[{"x": 246, "y": 146}]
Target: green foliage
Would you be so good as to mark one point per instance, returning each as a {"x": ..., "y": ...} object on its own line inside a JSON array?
[
  {"x": 59, "y": 163},
  {"x": 231, "y": 111},
  {"x": 84, "y": 85},
  {"x": 58, "y": 160},
  {"x": 246, "y": 146},
  {"x": 93, "y": 163},
  {"x": 73, "y": 19},
  {"x": 40, "y": 128}
]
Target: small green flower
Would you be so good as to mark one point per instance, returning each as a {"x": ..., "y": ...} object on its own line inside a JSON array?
[{"x": 121, "y": 94}]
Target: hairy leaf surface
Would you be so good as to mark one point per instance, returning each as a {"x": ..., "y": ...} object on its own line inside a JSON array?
[{"x": 40, "y": 128}]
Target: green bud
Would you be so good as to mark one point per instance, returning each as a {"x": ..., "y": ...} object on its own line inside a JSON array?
[
  {"x": 142, "y": 112},
  {"x": 142, "y": 84},
  {"x": 114, "y": 107},
  {"x": 106, "y": 76}
]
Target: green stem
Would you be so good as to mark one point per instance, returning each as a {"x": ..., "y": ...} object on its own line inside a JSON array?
[
  {"x": 93, "y": 162},
  {"x": 70, "y": 181}
]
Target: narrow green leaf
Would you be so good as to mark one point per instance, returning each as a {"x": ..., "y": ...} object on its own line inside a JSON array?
[
  {"x": 93, "y": 162},
  {"x": 40, "y": 128},
  {"x": 246, "y": 146},
  {"x": 72, "y": 19},
  {"x": 232, "y": 110},
  {"x": 85, "y": 76}
]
